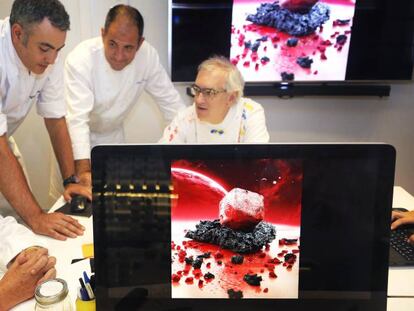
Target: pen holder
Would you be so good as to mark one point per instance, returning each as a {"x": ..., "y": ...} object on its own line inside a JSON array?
[{"x": 85, "y": 305}]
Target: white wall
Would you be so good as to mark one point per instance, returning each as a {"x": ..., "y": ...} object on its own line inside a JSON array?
[{"x": 303, "y": 119}]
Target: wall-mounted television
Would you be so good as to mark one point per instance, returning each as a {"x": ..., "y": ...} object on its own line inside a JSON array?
[{"x": 271, "y": 42}]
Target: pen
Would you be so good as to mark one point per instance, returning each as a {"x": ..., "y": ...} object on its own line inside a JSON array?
[
  {"x": 81, "y": 283},
  {"x": 92, "y": 282},
  {"x": 82, "y": 294},
  {"x": 83, "y": 290},
  {"x": 85, "y": 277},
  {"x": 90, "y": 291}
]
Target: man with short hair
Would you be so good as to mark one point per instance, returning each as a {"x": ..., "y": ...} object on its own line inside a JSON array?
[
  {"x": 220, "y": 113},
  {"x": 104, "y": 77},
  {"x": 30, "y": 41}
]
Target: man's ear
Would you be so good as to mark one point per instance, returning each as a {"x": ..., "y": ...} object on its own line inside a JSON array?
[
  {"x": 17, "y": 32},
  {"x": 141, "y": 40},
  {"x": 232, "y": 98},
  {"x": 103, "y": 32}
]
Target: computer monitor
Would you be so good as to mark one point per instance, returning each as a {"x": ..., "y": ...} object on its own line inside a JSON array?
[{"x": 242, "y": 227}]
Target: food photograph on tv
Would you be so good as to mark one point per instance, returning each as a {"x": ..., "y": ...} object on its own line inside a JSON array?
[
  {"x": 235, "y": 228},
  {"x": 291, "y": 40}
]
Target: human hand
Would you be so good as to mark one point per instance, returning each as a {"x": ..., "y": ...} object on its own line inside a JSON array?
[
  {"x": 77, "y": 189},
  {"x": 411, "y": 239},
  {"x": 49, "y": 271},
  {"x": 28, "y": 269},
  {"x": 403, "y": 218},
  {"x": 85, "y": 179},
  {"x": 56, "y": 225},
  {"x": 302, "y": 6}
]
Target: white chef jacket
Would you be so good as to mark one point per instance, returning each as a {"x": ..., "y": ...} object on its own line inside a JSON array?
[
  {"x": 13, "y": 239},
  {"x": 244, "y": 123},
  {"x": 100, "y": 98},
  {"x": 21, "y": 89}
]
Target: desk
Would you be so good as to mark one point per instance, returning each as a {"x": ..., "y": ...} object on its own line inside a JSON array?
[{"x": 400, "y": 283}]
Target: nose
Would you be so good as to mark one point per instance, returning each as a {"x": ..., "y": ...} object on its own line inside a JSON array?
[
  {"x": 51, "y": 57},
  {"x": 199, "y": 98},
  {"x": 118, "y": 55}
]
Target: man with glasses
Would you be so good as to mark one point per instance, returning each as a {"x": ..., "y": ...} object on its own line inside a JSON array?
[
  {"x": 104, "y": 77},
  {"x": 219, "y": 114},
  {"x": 30, "y": 41}
]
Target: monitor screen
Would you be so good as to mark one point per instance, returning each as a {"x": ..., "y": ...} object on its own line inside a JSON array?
[
  {"x": 248, "y": 226},
  {"x": 232, "y": 198},
  {"x": 295, "y": 40}
]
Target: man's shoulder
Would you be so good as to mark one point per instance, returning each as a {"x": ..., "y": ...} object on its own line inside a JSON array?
[
  {"x": 5, "y": 47},
  {"x": 147, "y": 51},
  {"x": 3, "y": 26},
  {"x": 4, "y": 23},
  {"x": 186, "y": 114},
  {"x": 4, "y": 33},
  {"x": 86, "y": 50},
  {"x": 249, "y": 105},
  {"x": 147, "y": 46}
]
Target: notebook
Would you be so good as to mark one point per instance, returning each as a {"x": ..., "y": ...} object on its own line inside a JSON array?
[{"x": 242, "y": 227}]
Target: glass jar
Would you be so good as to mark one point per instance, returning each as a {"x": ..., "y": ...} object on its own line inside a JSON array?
[{"x": 53, "y": 295}]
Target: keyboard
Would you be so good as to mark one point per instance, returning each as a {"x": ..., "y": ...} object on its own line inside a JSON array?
[{"x": 398, "y": 241}]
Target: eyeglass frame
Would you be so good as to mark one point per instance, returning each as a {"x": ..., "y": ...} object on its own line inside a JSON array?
[{"x": 195, "y": 90}]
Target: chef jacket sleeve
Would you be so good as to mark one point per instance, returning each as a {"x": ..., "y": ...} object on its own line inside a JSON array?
[
  {"x": 256, "y": 131},
  {"x": 14, "y": 238},
  {"x": 162, "y": 90},
  {"x": 80, "y": 99},
  {"x": 3, "y": 117},
  {"x": 3, "y": 121},
  {"x": 51, "y": 102},
  {"x": 174, "y": 133}
]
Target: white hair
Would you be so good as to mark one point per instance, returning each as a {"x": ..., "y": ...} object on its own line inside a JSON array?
[{"x": 235, "y": 81}]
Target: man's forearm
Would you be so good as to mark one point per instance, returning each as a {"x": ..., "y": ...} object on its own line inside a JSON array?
[
  {"x": 83, "y": 171},
  {"x": 13, "y": 184},
  {"x": 5, "y": 301},
  {"x": 82, "y": 166},
  {"x": 62, "y": 145}
]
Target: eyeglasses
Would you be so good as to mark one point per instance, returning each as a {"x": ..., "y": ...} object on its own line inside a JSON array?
[{"x": 195, "y": 90}]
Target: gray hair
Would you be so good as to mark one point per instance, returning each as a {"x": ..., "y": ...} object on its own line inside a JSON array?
[
  {"x": 235, "y": 81},
  {"x": 27, "y": 13}
]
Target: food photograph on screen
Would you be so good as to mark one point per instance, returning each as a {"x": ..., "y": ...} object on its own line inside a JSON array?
[
  {"x": 291, "y": 40},
  {"x": 235, "y": 228}
]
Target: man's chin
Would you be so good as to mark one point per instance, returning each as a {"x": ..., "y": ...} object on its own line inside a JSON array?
[
  {"x": 202, "y": 115},
  {"x": 39, "y": 69},
  {"x": 117, "y": 67}
]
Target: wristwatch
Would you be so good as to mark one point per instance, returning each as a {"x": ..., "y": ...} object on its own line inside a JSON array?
[{"x": 72, "y": 179}]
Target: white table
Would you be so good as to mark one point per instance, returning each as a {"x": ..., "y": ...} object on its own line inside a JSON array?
[
  {"x": 400, "y": 282},
  {"x": 65, "y": 251}
]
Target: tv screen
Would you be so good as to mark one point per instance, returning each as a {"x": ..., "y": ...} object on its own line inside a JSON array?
[{"x": 295, "y": 40}]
